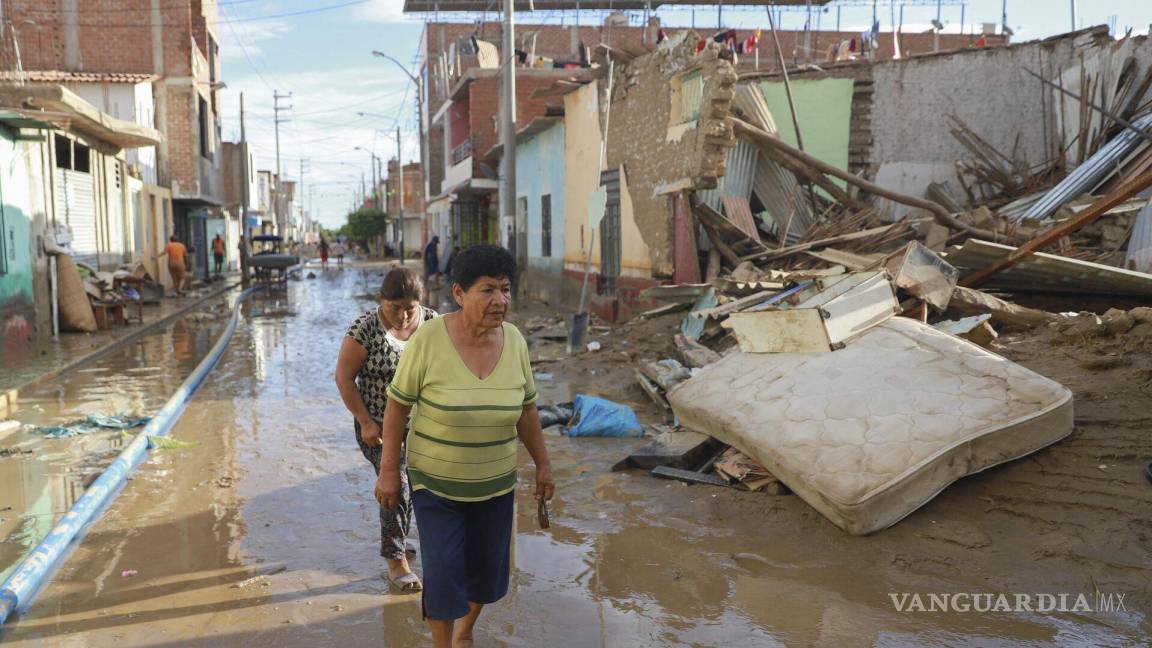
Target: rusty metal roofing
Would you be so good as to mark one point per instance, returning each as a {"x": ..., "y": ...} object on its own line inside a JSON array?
[{"x": 63, "y": 76}]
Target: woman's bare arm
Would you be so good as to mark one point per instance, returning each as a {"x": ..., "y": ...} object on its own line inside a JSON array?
[{"x": 528, "y": 429}]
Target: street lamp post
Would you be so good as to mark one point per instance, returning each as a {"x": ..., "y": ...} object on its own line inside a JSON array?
[
  {"x": 424, "y": 146},
  {"x": 372, "y": 159}
]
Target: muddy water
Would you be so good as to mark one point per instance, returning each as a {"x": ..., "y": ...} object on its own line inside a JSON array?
[
  {"x": 265, "y": 534},
  {"x": 40, "y": 486}
]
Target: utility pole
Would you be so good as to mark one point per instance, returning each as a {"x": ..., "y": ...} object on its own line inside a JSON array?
[
  {"x": 508, "y": 140},
  {"x": 300, "y": 193},
  {"x": 278, "y": 195},
  {"x": 1073, "y": 15},
  {"x": 400, "y": 191},
  {"x": 245, "y": 199}
]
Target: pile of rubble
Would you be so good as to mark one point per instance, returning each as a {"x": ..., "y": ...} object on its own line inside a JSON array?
[{"x": 836, "y": 285}]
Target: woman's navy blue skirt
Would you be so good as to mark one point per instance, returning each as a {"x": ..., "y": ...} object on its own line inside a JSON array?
[{"x": 464, "y": 550}]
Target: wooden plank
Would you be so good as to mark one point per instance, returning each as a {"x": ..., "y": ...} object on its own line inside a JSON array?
[
  {"x": 692, "y": 477},
  {"x": 785, "y": 331},
  {"x": 740, "y": 213}
]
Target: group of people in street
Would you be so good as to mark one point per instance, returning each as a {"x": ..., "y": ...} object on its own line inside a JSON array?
[
  {"x": 179, "y": 259},
  {"x": 337, "y": 249},
  {"x": 439, "y": 403}
]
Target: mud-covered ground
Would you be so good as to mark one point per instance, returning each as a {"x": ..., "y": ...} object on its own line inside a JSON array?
[{"x": 265, "y": 533}]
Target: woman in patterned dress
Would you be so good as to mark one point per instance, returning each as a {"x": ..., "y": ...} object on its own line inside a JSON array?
[{"x": 368, "y": 359}]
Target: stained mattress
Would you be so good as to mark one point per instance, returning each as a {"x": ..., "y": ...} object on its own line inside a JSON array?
[{"x": 870, "y": 433}]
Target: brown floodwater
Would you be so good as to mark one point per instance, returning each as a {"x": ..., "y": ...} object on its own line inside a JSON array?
[{"x": 264, "y": 533}]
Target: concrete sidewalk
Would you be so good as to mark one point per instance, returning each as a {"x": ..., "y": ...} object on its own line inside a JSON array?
[{"x": 54, "y": 356}]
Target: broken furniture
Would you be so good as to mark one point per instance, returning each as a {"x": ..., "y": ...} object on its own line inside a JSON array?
[
  {"x": 819, "y": 317},
  {"x": 870, "y": 433}
]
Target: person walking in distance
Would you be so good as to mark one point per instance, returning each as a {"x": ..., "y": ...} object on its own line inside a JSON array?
[
  {"x": 218, "y": 253},
  {"x": 338, "y": 251},
  {"x": 323, "y": 250},
  {"x": 242, "y": 249},
  {"x": 177, "y": 262},
  {"x": 368, "y": 359},
  {"x": 432, "y": 259}
]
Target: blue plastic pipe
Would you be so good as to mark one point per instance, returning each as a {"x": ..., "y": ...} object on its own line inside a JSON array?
[{"x": 17, "y": 593}]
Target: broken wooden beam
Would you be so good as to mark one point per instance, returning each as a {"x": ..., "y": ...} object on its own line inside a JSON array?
[
  {"x": 1066, "y": 228},
  {"x": 765, "y": 140}
]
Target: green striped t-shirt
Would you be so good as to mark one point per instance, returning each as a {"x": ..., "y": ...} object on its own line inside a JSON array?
[{"x": 462, "y": 439}]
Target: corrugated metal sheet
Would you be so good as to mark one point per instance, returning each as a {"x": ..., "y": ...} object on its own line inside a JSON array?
[
  {"x": 740, "y": 213},
  {"x": 1049, "y": 272},
  {"x": 1139, "y": 255},
  {"x": 76, "y": 208},
  {"x": 739, "y": 171},
  {"x": 1089, "y": 174},
  {"x": 774, "y": 186}
]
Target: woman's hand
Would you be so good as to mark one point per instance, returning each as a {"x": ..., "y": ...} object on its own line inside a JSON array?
[
  {"x": 388, "y": 489},
  {"x": 371, "y": 433},
  {"x": 545, "y": 489}
]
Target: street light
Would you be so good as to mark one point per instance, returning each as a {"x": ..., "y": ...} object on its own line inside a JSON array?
[
  {"x": 372, "y": 162},
  {"x": 423, "y": 147}
]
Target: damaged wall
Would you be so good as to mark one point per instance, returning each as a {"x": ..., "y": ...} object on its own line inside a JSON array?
[
  {"x": 660, "y": 157},
  {"x": 582, "y": 136},
  {"x": 988, "y": 89}
]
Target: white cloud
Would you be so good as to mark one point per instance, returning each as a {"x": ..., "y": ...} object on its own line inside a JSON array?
[
  {"x": 325, "y": 126},
  {"x": 236, "y": 37},
  {"x": 383, "y": 11}
]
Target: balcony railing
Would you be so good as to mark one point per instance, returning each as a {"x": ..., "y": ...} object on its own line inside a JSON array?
[{"x": 462, "y": 152}]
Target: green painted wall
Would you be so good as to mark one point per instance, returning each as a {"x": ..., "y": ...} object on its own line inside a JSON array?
[
  {"x": 824, "y": 109},
  {"x": 17, "y": 309}
]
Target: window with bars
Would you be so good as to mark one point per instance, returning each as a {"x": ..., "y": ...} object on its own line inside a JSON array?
[{"x": 546, "y": 225}]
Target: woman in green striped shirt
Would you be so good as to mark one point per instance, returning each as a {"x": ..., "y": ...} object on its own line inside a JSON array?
[{"x": 468, "y": 378}]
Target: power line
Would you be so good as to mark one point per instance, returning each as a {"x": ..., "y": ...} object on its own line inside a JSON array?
[{"x": 251, "y": 64}]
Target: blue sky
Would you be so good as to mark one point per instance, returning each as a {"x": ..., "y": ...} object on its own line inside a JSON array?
[{"x": 324, "y": 59}]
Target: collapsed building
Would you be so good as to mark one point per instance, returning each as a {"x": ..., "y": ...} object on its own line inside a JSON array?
[{"x": 686, "y": 131}]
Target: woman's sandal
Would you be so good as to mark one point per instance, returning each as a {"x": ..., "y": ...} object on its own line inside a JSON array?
[{"x": 408, "y": 583}]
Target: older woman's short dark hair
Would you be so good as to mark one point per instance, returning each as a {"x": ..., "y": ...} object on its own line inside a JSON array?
[
  {"x": 402, "y": 284},
  {"x": 482, "y": 261}
]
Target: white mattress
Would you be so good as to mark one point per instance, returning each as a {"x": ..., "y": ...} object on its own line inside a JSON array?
[{"x": 871, "y": 432}]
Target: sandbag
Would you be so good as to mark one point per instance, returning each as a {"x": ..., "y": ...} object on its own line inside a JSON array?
[
  {"x": 596, "y": 417},
  {"x": 75, "y": 309}
]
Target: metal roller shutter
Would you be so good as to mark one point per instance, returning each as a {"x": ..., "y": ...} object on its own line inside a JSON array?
[{"x": 76, "y": 206}]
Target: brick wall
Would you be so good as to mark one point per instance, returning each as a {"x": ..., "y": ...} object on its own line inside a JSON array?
[
  {"x": 413, "y": 194},
  {"x": 552, "y": 41},
  {"x": 110, "y": 35},
  {"x": 436, "y": 161},
  {"x": 484, "y": 100},
  {"x": 182, "y": 139}
]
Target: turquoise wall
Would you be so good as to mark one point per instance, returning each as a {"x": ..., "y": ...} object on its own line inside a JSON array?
[
  {"x": 539, "y": 172},
  {"x": 17, "y": 310}
]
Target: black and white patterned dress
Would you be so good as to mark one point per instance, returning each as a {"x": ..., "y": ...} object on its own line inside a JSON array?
[{"x": 372, "y": 381}]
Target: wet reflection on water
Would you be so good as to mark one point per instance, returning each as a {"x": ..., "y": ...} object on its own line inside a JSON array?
[{"x": 41, "y": 486}]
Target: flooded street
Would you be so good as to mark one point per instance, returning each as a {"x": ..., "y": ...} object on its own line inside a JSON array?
[{"x": 265, "y": 533}]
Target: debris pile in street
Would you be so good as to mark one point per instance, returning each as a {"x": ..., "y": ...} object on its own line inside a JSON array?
[{"x": 840, "y": 353}]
